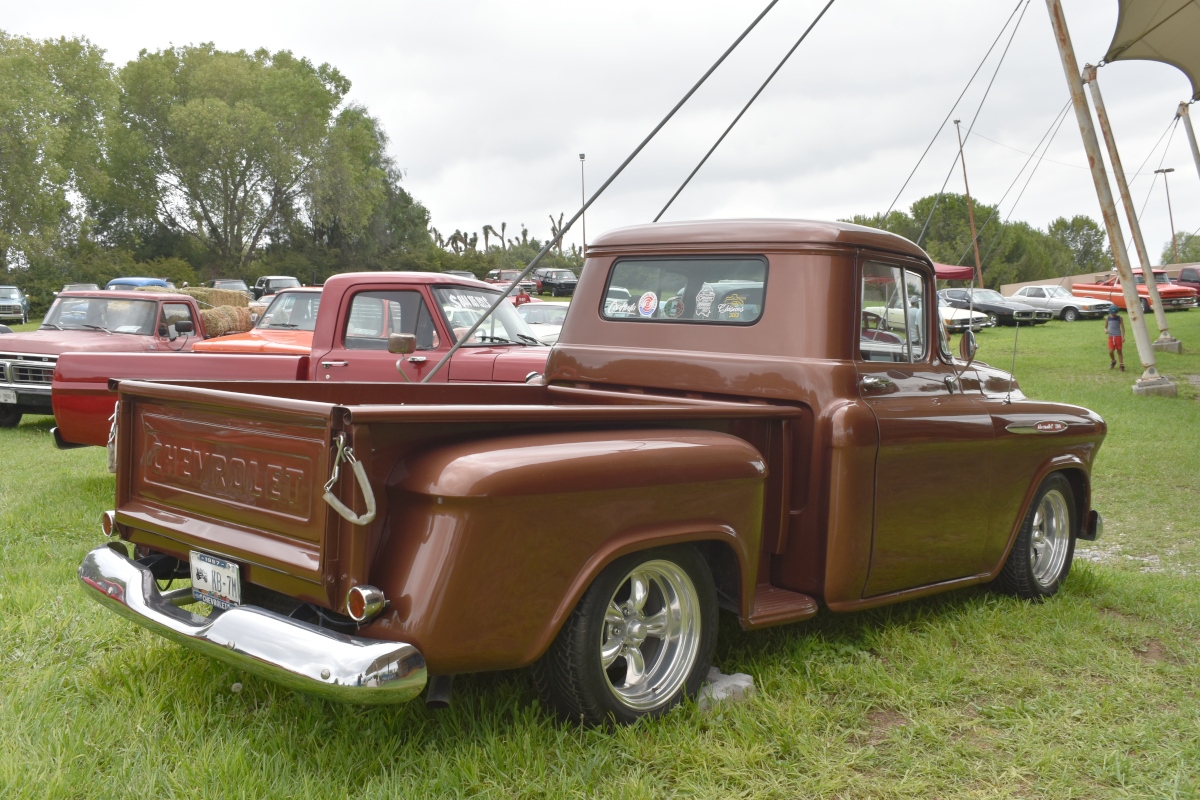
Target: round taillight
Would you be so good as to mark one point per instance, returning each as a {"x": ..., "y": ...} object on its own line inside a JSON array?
[{"x": 364, "y": 602}]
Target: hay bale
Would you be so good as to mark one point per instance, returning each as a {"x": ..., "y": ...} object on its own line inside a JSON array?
[
  {"x": 217, "y": 297},
  {"x": 224, "y": 320}
]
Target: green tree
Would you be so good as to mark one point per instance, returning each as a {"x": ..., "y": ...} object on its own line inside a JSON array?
[
  {"x": 1087, "y": 241},
  {"x": 54, "y": 97},
  {"x": 1189, "y": 249},
  {"x": 214, "y": 145}
]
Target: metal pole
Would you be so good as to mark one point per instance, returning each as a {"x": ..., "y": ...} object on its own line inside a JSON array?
[
  {"x": 1170, "y": 213},
  {"x": 1103, "y": 192},
  {"x": 1187, "y": 124},
  {"x": 1110, "y": 141},
  {"x": 970, "y": 207},
  {"x": 582, "y": 199}
]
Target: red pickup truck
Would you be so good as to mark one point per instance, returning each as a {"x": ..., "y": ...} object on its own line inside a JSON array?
[
  {"x": 1174, "y": 297},
  {"x": 357, "y": 313},
  {"x": 90, "y": 322},
  {"x": 743, "y": 435}
]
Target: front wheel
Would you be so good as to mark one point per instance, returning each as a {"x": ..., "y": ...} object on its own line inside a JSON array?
[
  {"x": 1041, "y": 556},
  {"x": 640, "y": 640},
  {"x": 1070, "y": 315},
  {"x": 9, "y": 417}
]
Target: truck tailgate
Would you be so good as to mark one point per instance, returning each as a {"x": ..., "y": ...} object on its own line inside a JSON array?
[{"x": 228, "y": 474}]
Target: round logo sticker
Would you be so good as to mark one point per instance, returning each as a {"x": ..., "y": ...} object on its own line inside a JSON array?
[
  {"x": 648, "y": 304},
  {"x": 673, "y": 308}
]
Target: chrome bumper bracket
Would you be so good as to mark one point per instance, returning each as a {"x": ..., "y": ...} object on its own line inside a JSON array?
[{"x": 289, "y": 652}]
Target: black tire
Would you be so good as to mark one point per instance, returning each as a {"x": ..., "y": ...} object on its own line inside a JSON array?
[
  {"x": 1145, "y": 306},
  {"x": 10, "y": 417},
  {"x": 571, "y": 676},
  {"x": 1070, "y": 314},
  {"x": 1032, "y": 573}
]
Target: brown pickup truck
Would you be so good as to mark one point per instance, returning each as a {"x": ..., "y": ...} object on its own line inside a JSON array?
[{"x": 730, "y": 430}]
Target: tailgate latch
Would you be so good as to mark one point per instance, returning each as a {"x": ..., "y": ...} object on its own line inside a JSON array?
[{"x": 346, "y": 454}]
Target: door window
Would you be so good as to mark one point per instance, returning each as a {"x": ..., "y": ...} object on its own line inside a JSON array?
[
  {"x": 1036, "y": 293},
  {"x": 376, "y": 315},
  {"x": 171, "y": 314},
  {"x": 893, "y": 323}
]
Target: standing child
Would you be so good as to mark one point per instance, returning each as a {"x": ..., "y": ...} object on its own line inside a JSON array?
[{"x": 1114, "y": 326}]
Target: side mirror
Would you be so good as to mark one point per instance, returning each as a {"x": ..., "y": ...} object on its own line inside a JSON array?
[
  {"x": 402, "y": 343},
  {"x": 185, "y": 326},
  {"x": 967, "y": 345}
]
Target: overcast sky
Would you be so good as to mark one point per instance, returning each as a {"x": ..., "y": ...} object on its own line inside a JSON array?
[{"x": 489, "y": 104}]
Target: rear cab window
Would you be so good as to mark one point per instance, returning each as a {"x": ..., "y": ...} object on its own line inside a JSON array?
[{"x": 722, "y": 290}]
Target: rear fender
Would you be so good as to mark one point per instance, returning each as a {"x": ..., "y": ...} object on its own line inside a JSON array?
[{"x": 492, "y": 543}]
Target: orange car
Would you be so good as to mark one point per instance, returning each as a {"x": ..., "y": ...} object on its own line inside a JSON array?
[
  {"x": 1173, "y": 297},
  {"x": 286, "y": 327}
]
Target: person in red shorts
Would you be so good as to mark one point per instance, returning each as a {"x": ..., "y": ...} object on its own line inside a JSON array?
[{"x": 1114, "y": 326}]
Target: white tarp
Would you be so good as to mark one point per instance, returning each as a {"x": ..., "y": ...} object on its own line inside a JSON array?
[{"x": 1160, "y": 30}]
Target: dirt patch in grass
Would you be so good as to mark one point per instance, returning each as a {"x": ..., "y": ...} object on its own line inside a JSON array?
[
  {"x": 1152, "y": 652},
  {"x": 1121, "y": 615},
  {"x": 883, "y": 721}
]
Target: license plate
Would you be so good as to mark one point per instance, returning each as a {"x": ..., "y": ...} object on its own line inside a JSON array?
[
  {"x": 8, "y": 396},
  {"x": 215, "y": 581}
]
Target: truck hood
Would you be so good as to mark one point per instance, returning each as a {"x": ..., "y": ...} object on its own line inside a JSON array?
[
  {"x": 53, "y": 343},
  {"x": 260, "y": 340}
]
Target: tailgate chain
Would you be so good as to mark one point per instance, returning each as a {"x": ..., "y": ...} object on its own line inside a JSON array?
[
  {"x": 346, "y": 454},
  {"x": 112, "y": 438}
]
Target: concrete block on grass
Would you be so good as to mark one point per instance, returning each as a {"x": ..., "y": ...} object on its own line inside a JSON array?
[
  {"x": 1160, "y": 387},
  {"x": 1168, "y": 346},
  {"x": 719, "y": 688}
]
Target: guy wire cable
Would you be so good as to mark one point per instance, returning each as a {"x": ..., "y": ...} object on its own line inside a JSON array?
[
  {"x": 1053, "y": 124},
  {"x": 950, "y": 113},
  {"x": 972, "y": 125},
  {"x": 1026, "y": 186},
  {"x": 1154, "y": 180},
  {"x": 503, "y": 297},
  {"x": 745, "y": 108}
]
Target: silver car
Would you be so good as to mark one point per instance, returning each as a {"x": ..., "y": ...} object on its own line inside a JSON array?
[{"x": 1059, "y": 300}]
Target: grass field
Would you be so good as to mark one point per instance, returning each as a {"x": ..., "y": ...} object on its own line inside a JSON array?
[{"x": 1090, "y": 695}]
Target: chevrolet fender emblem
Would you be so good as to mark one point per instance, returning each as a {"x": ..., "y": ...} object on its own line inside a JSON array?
[{"x": 1046, "y": 426}]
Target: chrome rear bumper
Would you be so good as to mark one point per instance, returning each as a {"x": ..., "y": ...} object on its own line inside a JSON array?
[{"x": 296, "y": 654}]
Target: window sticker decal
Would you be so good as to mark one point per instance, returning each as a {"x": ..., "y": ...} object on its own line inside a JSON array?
[
  {"x": 648, "y": 304},
  {"x": 733, "y": 306},
  {"x": 673, "y": 308},
  {"x": 704, "y": 301}
]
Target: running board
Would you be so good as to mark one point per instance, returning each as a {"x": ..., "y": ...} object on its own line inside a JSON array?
[{"x": 775, "y": 606}]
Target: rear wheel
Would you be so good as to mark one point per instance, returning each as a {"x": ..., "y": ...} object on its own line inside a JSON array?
[
  {"x": 1145, "y": 306},
  {"x": 1070, "y": 314},
  {"x": 1041, "y": 556},
  {"x": 10, "y": 417},
  {"x": 640, "y": 640}
]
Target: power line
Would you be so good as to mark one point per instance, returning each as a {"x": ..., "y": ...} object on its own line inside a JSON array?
[
  {"x": 1028, "y": 180},
  {"x": 988, "y": 91},
  {"x": 745, "y": 108},
  {"x": 938, "y": 132},
  {"x": 1054, "y": 123}
]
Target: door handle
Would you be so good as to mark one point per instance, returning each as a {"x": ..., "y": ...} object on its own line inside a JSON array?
[
  {"x": 416, "y": 359},
  {"x": 328, "y": 364},
  {"x": 876, "y": 382}
]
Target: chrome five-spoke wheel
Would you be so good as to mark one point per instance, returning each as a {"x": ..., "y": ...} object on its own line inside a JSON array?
[
  {"x": 651, "y": 634},
  {"x": 1050, "y": 538},
  {"x": 639, "y": 641},
  {"x": 1040, "y": 558}
]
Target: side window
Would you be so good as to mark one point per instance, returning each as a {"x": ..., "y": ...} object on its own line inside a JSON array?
[
  {"x": 376, "y": 315},
  {"x": 172, "y": 313},
  {"x": 1189, "y": 275},
  {"x": 893, "y": 323},
  {"x": 1035, "y": 293}
]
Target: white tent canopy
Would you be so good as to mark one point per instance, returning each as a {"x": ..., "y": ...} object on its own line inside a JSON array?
[{"x": 1160, "y": 30}]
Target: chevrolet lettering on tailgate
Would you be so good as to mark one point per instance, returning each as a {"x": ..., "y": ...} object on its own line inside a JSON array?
[{"x": 259, "y": 478}]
